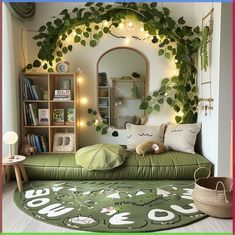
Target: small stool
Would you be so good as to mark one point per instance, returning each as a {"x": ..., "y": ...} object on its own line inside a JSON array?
[{"x": 17, "y": 163}]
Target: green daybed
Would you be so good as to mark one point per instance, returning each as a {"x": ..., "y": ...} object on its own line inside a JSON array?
[{"x": 168, "y": 166}]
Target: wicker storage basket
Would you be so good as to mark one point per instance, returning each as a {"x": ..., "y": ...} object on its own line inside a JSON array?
[{"x": 213, "y": 195}]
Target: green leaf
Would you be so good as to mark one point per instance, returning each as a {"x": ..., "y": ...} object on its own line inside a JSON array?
[
  {"x": 89, "y": 4},
  {"x": 98, "y": 128},
  {"x": 64, "y": 50},
  {"x": 58, "y": 60},
  {"x": 155, "y": 93},
  {"x": 161, "y": 101},
  {"x": 196, "y": 30},
  {"x": 58, "y": 22},
  {"x": 144, "y": 105},
  {"x": 153, "y": 4},
  {"x": 115, "y": 134},
  {"x": 90, "y": 111},
  {"x": 181, "y": 20},
  {"x": 105, "y": 29},
  {"x": 42, "y": 28},
  {"x": 59, "y": 53},
  {"x": 99, "y": 4},
  {"x": 148, "y": 98},
  {"x": 78, "y": 31},
  {"x": 29, "y": 66},
  {"x": 75, "y": 9},
  {"x": 86, "y": 34},
  {"x": 188, "y": 87},
  {"x": 50, "y": 70},
  {"x": 169, "y": 100},
  {"x": 94, "y": 113},
  {"x": 89, "y": 123},
  {"x": 45, "y": 66},
  {"x": 96, "y": 27},
  {"x": 88, "y": 29},
  {"x": 104, "y": 131},
  {"x": 93, "y": 43},
  {"x": 167, "y": 55},
  {"x": 157, "y": 107},
  {"x": 64, "y": 12},
  {"x": 178, "y": 119},
  {"x": 36, "y": 63},
  {"x": 70, "y": 47},
  {"x": 160, "y": 52},
  {"x": 96, "y": 36},
  {"x": 69, "y": 31},
  {"x": 77, "y": 39},
  {"x": 166, "y": 11},
  {"x": 176, "y": 108},
  {"x": 165, "y": 81},
  {"x": 83, "y": 43},
  {"x": 149, "y": 110}
]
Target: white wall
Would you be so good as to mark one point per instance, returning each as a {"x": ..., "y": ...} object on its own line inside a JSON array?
[{"x": 12, "y": 65}]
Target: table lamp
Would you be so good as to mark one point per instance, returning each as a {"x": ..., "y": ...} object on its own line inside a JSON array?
[{"x": 10, "y": 138}]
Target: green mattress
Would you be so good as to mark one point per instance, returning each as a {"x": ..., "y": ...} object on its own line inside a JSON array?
[{"x": 170, "y": 165}]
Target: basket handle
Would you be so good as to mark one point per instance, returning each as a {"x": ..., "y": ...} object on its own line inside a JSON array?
[
  {"x": 199, "y": 168},
  {"x": 216, "y": 188}
]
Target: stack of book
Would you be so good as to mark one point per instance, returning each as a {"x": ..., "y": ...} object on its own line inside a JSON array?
[
  {"x": 62, "y": 95},
  {"x": 30, "y": 114},
  {"x": 31, "y": 91},
  {"x": 39, "y": 141}
]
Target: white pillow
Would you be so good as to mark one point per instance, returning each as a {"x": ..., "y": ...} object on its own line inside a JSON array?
[
  {"x": 182, "y": 137},
  {"x": 138, "y": 134}
]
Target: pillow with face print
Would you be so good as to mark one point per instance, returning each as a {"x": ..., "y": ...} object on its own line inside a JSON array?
[
  {"x": 138, "y": 134},
  {"x": 181, "y": 137}
]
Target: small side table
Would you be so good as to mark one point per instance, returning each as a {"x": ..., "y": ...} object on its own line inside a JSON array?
[{"x": 17, "y": 163}]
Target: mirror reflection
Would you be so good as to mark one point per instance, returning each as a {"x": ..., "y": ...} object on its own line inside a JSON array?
[{"x": 122, "y": 83}]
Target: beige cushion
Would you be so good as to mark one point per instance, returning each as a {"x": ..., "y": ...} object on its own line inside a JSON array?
[
  {"x": 181, "y": 137},
  {"x": 138, "y": 134}
]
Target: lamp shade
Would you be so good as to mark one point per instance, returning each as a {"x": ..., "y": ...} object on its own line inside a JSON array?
[{"x": 10, "y": 137}]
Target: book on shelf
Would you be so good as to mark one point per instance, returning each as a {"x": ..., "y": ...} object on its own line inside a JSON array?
[
  {"x": 70, "y": 118},
  {"x": 30, "y": 90},
  {"x": 58, "y": 117},
  {"x": 62, "y": 95},
  {"x": 34, "y": 113},
  {"x": 39, "y": 141},
  {"x": 43, "y": 117}
]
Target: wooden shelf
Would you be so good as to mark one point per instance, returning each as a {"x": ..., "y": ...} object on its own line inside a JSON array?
[
  {"x": 128, "y": 80},
  {"x": 50, "y": 82}
]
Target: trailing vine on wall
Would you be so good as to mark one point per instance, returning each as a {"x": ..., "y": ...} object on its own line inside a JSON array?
[{"x": 172, "y": 39}]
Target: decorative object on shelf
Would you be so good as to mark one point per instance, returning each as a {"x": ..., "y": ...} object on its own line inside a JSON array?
[
  {"x": 63, "y": 95},
  {"x": 70, "y": 116},
  {"x": 102, "y": 78},
  {"x": 45, "y": 95},
  {"x": 58, "y": 117},
  {"x": 205, "y": 104},
  {"x": 63, "y": 142},
  {"x": 135, "y": 75},
  {"x": 177, "y": 40},
  {"x": 27, "y": 150},
  {"x": 126, "y": 78},
  {"x": 43, "y": 117},
  {"x": 118, "y": 101},
  {"x": 62, "y": 67},
  {"x": 65, "y": 84},
  {"x": 134, "y": 91},
  {"x": 10, "y": 138}
]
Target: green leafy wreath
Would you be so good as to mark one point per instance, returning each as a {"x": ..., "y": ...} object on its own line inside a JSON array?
[{"x": 173, "y": 39}]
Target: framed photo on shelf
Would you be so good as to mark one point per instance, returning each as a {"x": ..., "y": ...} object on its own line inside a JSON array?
[
  {"x": 43, "y": 117},
  {"x": 65, "y": 84},
  {"x": 70, "y": 116},
  {"x": 58, "y": 117}
]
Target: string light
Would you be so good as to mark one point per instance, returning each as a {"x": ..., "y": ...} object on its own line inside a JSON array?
[
  {"x": 83, "y": 100},
  {"x": 176, "y": 61},
  {"x": 142, "y": 29},
  {"x": 105, "y": 23},
  {"x": 175, "y": 72},
  {"x": 96, "y": 122},
  {"x": 130, "y": 24},
  {"x": 121, "y": 25},
  {"x": 127, "y": 40},
  {"x": 81, "y": 123}
]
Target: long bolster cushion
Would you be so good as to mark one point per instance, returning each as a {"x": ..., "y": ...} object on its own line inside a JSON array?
[{"x": 169, "y": 165}]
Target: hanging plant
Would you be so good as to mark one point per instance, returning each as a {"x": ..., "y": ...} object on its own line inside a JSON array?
[
  {"x": 172, "y": 39},
  {"x": 203, "y": 47}
]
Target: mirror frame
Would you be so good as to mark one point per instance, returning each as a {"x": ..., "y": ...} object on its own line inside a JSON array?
[{"x": 146, "y": 88}]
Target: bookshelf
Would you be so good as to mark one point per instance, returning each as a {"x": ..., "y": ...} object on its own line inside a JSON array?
[
  {"x": 104, "y": 103},
  {"x": 32, "y": 93}
]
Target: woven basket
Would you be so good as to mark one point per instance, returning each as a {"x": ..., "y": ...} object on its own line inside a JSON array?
[{"x": 213, "y": 195}]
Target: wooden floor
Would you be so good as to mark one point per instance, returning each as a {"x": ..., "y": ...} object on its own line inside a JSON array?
[{"x": 14, "y": 220}]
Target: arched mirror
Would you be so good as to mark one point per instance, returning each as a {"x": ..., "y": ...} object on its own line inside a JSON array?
[{"x": 122, "y": 75}]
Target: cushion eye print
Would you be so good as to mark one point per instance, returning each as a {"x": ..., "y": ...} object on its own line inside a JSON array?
[
  {"x": 138, "y": 134},
  {"x": 181, "y": 137}
]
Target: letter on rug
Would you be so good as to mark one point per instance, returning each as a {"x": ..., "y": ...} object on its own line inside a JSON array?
[
  {"x": 193, "y": 209},
  {"x": 152, "y": 215},
  {"x": 55, "y": 210},
  {"x": 38, "y": 202},
  {"x": 37, "y": 193}
]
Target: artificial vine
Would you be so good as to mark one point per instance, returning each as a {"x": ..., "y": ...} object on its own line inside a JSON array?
[
  {"x": 203, "y": 47},
  {"x": 172, "y": 39}
]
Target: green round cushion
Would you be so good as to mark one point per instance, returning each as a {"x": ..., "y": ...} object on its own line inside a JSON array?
[{"x": 100, "y": 156}]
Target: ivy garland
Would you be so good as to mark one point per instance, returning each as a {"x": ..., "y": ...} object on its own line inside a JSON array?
[{"x": 173, "y": 40}]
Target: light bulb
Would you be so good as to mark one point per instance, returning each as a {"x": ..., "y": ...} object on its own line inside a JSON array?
[
  {"x": 166, "y": 94},
  {"x": 121, "y": 25},
  {"x": 82, "y": 124},
  {"x": 142, "y": 29},
  {"x": 74, "y": 33},
  {"x": 130, "y": 24},
  {"x": 83, "y": 100},
  {"x": 175, "y": 71},
  {"x": 96, "y": 122},
  {"x": 127, "y": 40},
  {"x": 105, "y": 23},
  {"x": 146, "y": 35},
  {"x": 176, "y": 61}
]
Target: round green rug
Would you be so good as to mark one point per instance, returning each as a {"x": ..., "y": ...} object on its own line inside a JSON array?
[{"x": 110, "y": 206}]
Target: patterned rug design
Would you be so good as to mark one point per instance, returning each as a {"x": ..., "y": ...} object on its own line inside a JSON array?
[{"x": 110, "y": 206}]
